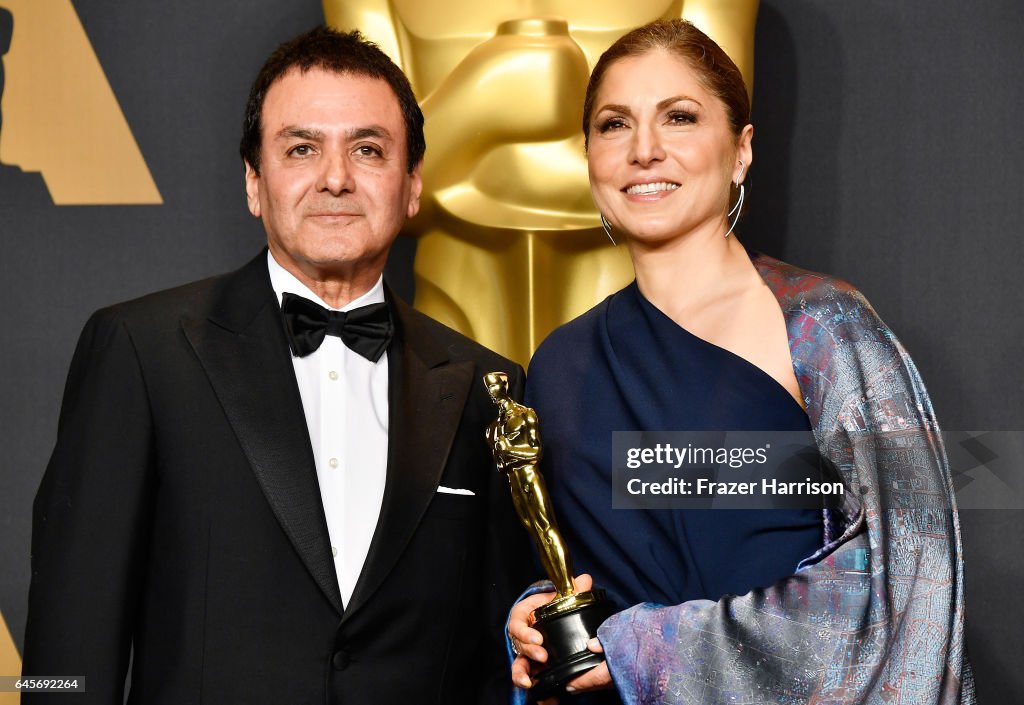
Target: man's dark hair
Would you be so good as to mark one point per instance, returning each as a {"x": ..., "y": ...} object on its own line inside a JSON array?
[{"x": 338, "y": 52}]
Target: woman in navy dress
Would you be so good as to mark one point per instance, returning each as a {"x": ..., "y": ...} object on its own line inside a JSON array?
[{"x": 777, "y": 605}]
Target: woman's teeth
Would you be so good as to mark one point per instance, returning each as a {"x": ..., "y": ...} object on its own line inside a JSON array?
[{"x": 640, "y": 189}]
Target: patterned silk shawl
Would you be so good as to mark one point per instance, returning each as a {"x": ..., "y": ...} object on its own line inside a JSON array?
[{"x": 875, "y": 616}]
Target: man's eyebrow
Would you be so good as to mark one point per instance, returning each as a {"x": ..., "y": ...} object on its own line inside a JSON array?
[
  {"x": 302, "y": 133},
  {"x": 376, "y": 131}
]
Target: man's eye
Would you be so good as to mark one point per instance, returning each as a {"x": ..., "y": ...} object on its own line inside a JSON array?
[
  {"x": 301, "y": 150},
  {"x": 369, "y": 150}
]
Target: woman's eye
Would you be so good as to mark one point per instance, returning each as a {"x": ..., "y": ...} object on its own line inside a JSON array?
[
  {"x": 680, "y": 117},
  {"x": 614, "y": 123}
]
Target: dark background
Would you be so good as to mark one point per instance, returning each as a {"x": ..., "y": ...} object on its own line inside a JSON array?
[{"x": 887, "y": 152}]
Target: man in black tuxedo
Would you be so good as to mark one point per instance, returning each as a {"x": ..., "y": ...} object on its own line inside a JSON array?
[{"x": 263, "y": 500}]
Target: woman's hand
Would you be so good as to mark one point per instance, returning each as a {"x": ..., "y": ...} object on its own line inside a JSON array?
[
  {"x": 527, "y": 642},
  {"x": 597, "y": 678}
]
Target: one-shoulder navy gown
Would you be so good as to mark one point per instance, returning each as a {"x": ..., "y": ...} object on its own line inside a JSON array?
[{"x": 626, "y": 366}]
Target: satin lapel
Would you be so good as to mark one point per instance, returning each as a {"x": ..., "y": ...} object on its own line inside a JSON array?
[
  {"x": 245, "y": 355},
  {"x": 426, "y": 396}
]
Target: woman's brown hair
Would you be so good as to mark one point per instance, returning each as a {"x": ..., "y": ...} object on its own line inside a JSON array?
[{"x": 715, "y": 70}]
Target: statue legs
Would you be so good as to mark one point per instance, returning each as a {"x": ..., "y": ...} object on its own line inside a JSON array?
[{"x": 532, "y": 504}]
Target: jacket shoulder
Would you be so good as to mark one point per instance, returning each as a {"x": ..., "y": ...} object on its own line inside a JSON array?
[
  {"x": 247, "y": 287},
  {"x": 156, "y": 313},
  {"x": 175, "y": 300}
]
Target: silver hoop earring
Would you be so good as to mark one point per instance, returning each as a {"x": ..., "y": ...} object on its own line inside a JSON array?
[
  {"x": 737, "y": 209},
  {"x": 607, "y": 229}
]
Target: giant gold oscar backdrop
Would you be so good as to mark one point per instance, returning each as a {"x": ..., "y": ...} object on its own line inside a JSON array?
[
  {"x": 509, "y": 242},
  {"x": 60, "y": 117}
]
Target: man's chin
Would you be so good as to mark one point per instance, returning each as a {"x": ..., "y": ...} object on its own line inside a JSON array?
[{"x": 344, "y": 264}]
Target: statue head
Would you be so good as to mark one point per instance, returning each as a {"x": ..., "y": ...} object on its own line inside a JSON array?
[{"x": 497, "y": 385}]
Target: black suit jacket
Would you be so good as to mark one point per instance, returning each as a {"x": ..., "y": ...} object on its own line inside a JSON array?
[{"x": 180, "y": 515}]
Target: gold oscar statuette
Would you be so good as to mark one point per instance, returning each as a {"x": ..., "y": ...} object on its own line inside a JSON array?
[{"x": 572, "y": 618}]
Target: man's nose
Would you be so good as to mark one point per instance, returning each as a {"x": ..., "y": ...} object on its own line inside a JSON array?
[
  {"x": 335, "y": 174},
  {"x": 646, "y": 146}
]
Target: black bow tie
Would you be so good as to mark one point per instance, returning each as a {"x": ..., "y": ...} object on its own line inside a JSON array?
[{"x": 366, "y": 330}]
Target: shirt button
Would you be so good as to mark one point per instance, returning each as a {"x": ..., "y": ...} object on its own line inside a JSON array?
[
  {"x": 333, "y": 462},
  {"x": 332, "y": 374},
  {"x": 334, "y": 551}
]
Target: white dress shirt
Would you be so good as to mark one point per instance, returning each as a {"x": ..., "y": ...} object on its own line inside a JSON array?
[{"x": 345, "y": 400}]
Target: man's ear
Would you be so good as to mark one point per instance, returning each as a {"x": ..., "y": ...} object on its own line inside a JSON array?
[
  {"x": 415, "y": 189},
  {"x": 252, "y": 190}
]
